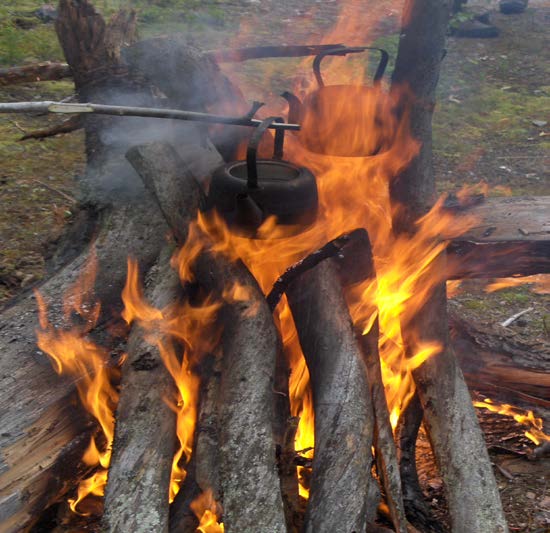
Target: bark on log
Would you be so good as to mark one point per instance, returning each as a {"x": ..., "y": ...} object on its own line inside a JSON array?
[
  {"x": 250, "y": 344},
  {"x": 460, "y": 450},
  {"x": 343, "y": 411},
  {"x": 406, "y": 433},
  {"x": 44, "y": 71},
  {"x": 356, "y": 264},
  {"x": 511, "y": 238},
  {"x": 136, "y": 497}
]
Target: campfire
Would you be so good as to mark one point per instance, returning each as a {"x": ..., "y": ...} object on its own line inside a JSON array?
[{"x": 282, "y": 331}]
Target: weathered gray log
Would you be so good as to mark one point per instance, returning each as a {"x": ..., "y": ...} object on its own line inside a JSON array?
[
  {"x": 166, "y": 63},
  {"x": 33, "y": 476},
  {"x": 128, "y": 223},
  {"x": 356, "y": 264},
  {"x": 136, "y": 496},
  {"x": 343, "y": 410},
  {"x": 511, "y": 238},
  {"x": 250, "y": 344},
  {"x": 458, "y": 444}
]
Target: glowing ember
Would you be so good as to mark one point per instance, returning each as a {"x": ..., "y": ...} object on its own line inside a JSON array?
[
  {"x": 73, "y": 354},
  {"x": 525, "y": 418}
]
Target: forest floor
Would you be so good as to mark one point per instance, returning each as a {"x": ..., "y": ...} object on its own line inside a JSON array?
[{"x": 491, "y": 126}]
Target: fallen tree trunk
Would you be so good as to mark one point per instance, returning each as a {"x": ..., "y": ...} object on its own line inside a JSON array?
[
  {"x": 341, "y": 477},
  {"x": 454, "y": 432},
  {"x": 43, "y": 71},
  {"x": 250, "y": 343}
]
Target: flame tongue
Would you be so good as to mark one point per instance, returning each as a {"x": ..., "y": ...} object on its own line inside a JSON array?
[{"x": 73, "y": 354}]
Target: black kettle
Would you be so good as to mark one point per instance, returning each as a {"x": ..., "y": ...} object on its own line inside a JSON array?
[{"x": 245, "y": 193}]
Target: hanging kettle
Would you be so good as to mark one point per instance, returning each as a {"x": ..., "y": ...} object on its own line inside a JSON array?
[
  {"x": 245, "y": 193},
  {"x": 341, "y": 120}
]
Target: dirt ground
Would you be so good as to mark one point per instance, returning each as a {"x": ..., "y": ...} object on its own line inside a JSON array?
[{"x": 491, "y": 125}]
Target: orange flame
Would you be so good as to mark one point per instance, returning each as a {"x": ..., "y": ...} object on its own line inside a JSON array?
[
  {"x": 535, "y": 432},
  {"x": 539, "y": 283},
  {"x": 73, "y": 354},
  {"x": 207, "y": 511},
  {"x": 353, "y": 192}
]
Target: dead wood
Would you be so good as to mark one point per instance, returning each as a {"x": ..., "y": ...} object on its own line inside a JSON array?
[
  {"x": 250, "y": 344},
  {"x": 499, "y": 367},
  {"x": 341, "y": 477},
  {"x": 35, "y": 400},
  {"x": 355, "y": 263},
  {"x": 471, "y": 490},
  {"x": 67, "y": 126},
  {"x": 43, "y": 434},
  {"x": 511, "y": 238},
  {"x": 136, "y": 497},
  {"x": 44, "y": 71}
]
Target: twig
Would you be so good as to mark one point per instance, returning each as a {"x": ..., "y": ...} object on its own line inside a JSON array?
[
  {"x": 53, "y": 189},
  {"x": 67, "y": 126},
  {"x": 513, "y": 318}
]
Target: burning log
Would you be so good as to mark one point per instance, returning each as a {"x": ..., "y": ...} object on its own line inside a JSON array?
[
  {"x": 136, "y": 497},
  {"x": 203, "y": 470},
  {"x": 472, "y": 494},
  {"x": 250, "y": 343},
  {"x": 341, "y": 481},
  {"x": 127, "y": 223},
  {"x": 384, "y": 444}
]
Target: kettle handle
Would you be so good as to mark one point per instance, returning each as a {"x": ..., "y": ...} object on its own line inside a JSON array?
[
  {"x": 343, "y": 50},
  {"x": 252, "y": 150}
]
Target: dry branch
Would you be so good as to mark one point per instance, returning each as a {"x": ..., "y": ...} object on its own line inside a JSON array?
[
  {"x": 250, "y": 344},
  {"x": 341, "y": 478}
]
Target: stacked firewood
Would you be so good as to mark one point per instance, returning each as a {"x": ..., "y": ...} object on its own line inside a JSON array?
[{"x": 243, "y": 447}]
